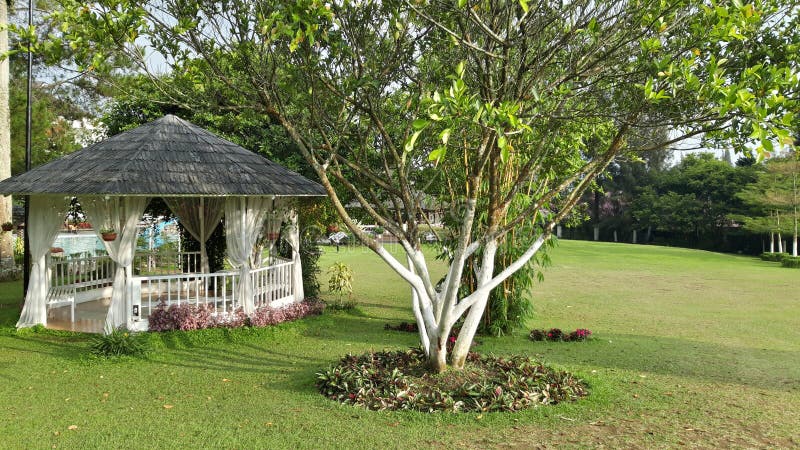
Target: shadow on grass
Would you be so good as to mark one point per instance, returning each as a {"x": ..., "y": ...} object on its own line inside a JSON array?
[{"x": 760, "y": 368}]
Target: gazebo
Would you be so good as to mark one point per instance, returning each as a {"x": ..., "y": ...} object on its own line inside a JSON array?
[{"x": 201, "y": 178}]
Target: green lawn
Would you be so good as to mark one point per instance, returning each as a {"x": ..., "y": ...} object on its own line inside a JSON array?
[{"x": 690, "y": 348}]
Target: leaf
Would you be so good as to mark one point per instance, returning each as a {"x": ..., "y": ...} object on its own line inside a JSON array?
[
  {"x": 502, "y": 142},
  {"x": 524, "y": 5},
  {"x": 419, "y": 124},
  {"x": 445, "y": 135},
  {"x": 412, "y": 140},
  {"x": 169, "y": 406},
  {"x": 437, "y": 154},
  {"x": 462, "y": 3},
  {"x": 72, "y": 427},
  {"x": 460, "y": 69}
]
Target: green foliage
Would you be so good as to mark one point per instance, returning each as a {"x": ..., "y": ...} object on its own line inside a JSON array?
[
  {"x": 390, "y": 381},
  {"x": 791, "y": 261},
  {"x": 692, "y": 202},
  {"x": 120, "y": 342},
  {"x": 773, "y": 257},
  {"x": 340, "y": 282}
]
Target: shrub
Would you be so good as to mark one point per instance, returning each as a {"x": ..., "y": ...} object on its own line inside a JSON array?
[
  {"x": 773, "y": 257},
  {"x": 265, "y": 316},
  {"x": 791, "y": 261},
  {"x": 186, "y": 316},
  {"x": 393, "y": 380},
  {"x": 119, "y": 342},
  {"x": 341, "y": 283},
  {"x": 556, "y": 335}
]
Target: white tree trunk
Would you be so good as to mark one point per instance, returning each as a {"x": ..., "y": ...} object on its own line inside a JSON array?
[
  {"x": 634, "y": 237},
  {"x": 780, "y": 243},
  {"x": 6, "y": 246},
  {"x": 771, "y": 242},
  {"x": 615, "y": 236},
  {"x": 596, "y": 229}
]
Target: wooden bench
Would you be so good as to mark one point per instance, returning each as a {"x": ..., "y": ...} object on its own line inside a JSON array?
[{"x": 62, "y": 295}]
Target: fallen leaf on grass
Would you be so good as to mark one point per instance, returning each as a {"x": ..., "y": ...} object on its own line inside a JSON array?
[
  {"x": 225, "y": 380},
  {"x": 268, "y": 424},
  {"x": 635, "y": 395},
  {"x": 169, "y": 406},
  {"x": 72, "y": 427},
  {"x": 393, "y": 424}
]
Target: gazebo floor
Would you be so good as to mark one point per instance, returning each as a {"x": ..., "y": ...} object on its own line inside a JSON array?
[{"x": 90, "y": 317}]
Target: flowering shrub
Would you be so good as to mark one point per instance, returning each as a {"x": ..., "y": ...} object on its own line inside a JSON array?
[
  {"x": 187, "y": 316},
  {"x": 398, "y": 380},
  {"x": 556, "y": 335},
  {"x": 265, "y": 316}
]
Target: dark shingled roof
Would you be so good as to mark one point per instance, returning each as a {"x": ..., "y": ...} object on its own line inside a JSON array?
[{"x": 166, "y": 157}]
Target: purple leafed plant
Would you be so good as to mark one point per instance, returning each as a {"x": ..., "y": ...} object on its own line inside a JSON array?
[{"x": 186, "y": 316}]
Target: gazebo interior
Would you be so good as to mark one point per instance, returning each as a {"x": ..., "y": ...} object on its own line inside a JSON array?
[{"x": 201, "y": 178}]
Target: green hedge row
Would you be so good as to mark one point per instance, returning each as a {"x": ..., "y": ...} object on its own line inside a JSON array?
[
  {"x": 773, "y": 257},
  {"x": 791, "y": 261}
]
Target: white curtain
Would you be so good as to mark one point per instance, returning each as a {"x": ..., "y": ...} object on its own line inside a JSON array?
[
  {"x": 293, "y": 238},
  {"x": 46, "y": 216},
  {"x": 276, "y": 215},
  {"x": 244, "y": 221},
  {"x": 200, "y": 216},
  {"x": 121, "y": 215}
]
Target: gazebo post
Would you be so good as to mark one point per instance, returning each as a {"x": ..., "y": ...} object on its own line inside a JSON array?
[{"x": 297, "y": 269}]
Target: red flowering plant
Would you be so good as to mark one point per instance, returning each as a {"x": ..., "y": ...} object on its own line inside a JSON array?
[{"x": 556, "y": 335}]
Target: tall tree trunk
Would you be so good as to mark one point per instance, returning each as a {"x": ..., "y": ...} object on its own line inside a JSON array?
[
  {"x": 634, "y": 236},
  {"x": 771, "y": 242},
  {"x": 6, "y": 247}
]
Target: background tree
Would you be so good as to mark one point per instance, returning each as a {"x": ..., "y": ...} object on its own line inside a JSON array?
[
  {"x": 517, "y": 106},
  {"x": 6, "y": 245},
  {"x": 692, "y": 202}
]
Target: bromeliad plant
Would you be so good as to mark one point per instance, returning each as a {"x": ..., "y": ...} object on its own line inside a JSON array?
[
  {"x": 397, "y": 381},
  {"x": 556, "y": 335}
]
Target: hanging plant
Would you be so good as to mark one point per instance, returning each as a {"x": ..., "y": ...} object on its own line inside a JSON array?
[
  {"x": 108, "y": 234},
  {"x": 8, "y": 226}
]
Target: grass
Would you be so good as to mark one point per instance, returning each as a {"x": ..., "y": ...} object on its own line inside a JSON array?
[{"x": 689, "y": 347}]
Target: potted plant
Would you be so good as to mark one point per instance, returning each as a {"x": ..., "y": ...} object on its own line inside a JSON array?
[
  {"x": 332, "y": 228},
  {"x": 109, "y": 234},
  {"x": 8, "y": 226}
]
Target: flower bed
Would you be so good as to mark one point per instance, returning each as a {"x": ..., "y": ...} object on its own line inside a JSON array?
[
  {"x": 187, "y": 316},
  {"x": 556, "y": 335},
  {"x": 397, "y": 380}
]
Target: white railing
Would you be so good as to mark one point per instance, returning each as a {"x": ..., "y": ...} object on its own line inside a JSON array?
[
  {"x": 218, "y": 289},
  {"x": 165, "y": 263},
  {"x": 82, "y": 274},
  {"x": 273, "y": 283}
]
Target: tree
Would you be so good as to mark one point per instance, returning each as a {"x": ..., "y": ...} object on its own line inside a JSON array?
[
  {"x": 694, "y": 200},
  {"x": 775, "y": 194},
  {"x": 6, "y": 248},
  {"x": 515, "y": 107}
]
